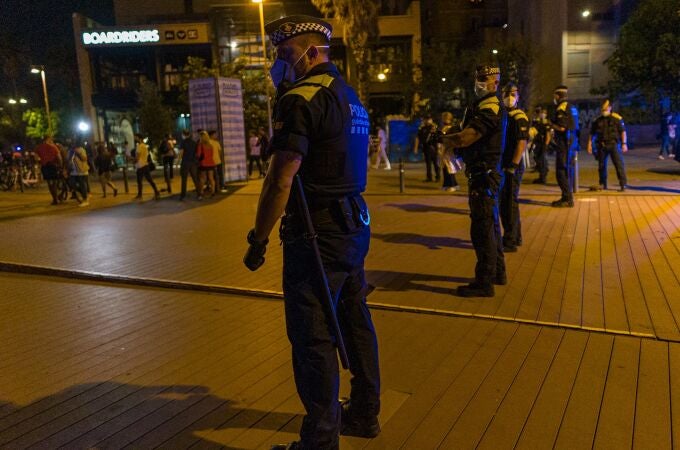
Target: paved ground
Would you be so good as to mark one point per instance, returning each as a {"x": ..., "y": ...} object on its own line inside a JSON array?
[{"x": 577, "y": 351}]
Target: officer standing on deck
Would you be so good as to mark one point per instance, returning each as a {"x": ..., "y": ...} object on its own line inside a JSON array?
[
  {"x": 321, "y": 133},
  {"x": 608, "y": 131},
  {"x": 512, "y": 163},
  {"x": 563, "y": 126},
  {"x": 481, "y": 143},
  {"x": 541, "y": 140}
]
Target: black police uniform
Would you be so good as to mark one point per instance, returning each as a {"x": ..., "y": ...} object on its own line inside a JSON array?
[
  {"x": 448, "y": 179},
  {"x": 517, "y": 130},
  {"x": 542, "y": 127},
  {"x": 427, "y": 138},
  {"x": 321, "y": 118},
  {"x": 606, "y": 131},
  {"x": 563, "y": 139},
  {"x": 484, "y": 179}
]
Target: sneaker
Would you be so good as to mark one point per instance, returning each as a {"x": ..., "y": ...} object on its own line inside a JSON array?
[
  {"x": 357, "y": 426},
  {"x": 84, "y": 204},
  {"x": 224, "y": 191},
  {"x": 375, "y": 167},
  {"x": 452, "y": 188},
  {"x": 539, "y": 181},
  {"x": 137, "y": 197},
  {"x": 661, "y": 157},
  {"x": 476, "y": 290},
  {"x": 509, "y": 248},
  {"x": 115, "y": 192},
  {"x": 388, "y": 168},
  {"x": 563, "y": 203},
  {"x": 671, "y": 155},
  {"x": 597, "y": 187},
  {"x": 157, "y": 196},
  {"x": 622, "y": 189}
]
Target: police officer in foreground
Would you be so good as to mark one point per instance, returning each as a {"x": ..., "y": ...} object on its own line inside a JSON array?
[
  {"x": 321, "y": 133},
  {"x": 608, "y": 131},
  {"x": 541, "y": 140},
  {"x": 563, "y": 127},
  {"x": 516, "y": 138},
  {"x": 481, "y": 144}
]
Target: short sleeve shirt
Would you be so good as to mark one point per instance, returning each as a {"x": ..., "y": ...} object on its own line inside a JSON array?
[
  {"x": 487, "y": 118},
  {"x": 518, "y": 130},
  {"x": 48, "y": 154}
]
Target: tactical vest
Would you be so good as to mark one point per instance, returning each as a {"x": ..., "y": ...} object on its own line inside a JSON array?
[
  {"x": 607, "y": 129},
  {"x": 335, "y": 164},
  {"x": 511, "y": 134},
  {"x": 486, "y": 152}
]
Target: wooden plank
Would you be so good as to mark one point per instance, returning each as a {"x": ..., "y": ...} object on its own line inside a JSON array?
[
  {"x": 555, "y": 286},
  {"x": 572, "y": 296},
  {"x": 617, "y": 415},
  {"x": 592, "y": 314},
  {"x": 508, "y": 420},
  {"x": 434, "y": 427},
  {"x": 615, "y": 315},
  {"x": 653, "y": 406},
  {"x": 637, "y": 310},
  {"x": 424, "y": 397},
  {"x": 579, "y": 422},
  {"x": 543, "y": 421},
  {"x": 674, "y": 366}
]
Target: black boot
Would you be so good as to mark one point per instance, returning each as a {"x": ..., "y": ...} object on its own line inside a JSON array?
[
  {"x": 476, "y": 289},
  {"x": 353, "y": 424}
]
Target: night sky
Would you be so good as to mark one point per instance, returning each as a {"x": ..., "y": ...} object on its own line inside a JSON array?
[{"x": 41, "y": 32}]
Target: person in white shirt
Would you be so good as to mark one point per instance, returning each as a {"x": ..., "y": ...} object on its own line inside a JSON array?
[
  {"x": 255, "y": 154},
  {"x": 382, "y": 149}
]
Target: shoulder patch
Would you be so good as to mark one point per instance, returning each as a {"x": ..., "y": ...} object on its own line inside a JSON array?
[
  {"x": 308, "y": 87},
  {"x": 617, "y": 116},
  {"x": 305, "y": 91},
  {"x": 491, "y": 104},
  {"x": 562, "y": 106}
]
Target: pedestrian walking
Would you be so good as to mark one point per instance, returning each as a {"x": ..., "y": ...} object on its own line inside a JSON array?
[
  {"x": 105, "y": 163},
  {"x": 188, "y": 165},
  {"x": 609, "y": 134},
  {"x": 143, "y": 164},
  {"x": 449, "y": 160},
  {"x": 254, "y": 153},
  {"x": 50, "y": 165},
  {"x": 481, "y": 143},
  {"x": 79, "y": 170},
  {"x": 167, "y": 152},
  {"x": 426, "y": 140},
  {"x": 321, "y": 134},
  {"x": 541, "y": 138},
  {"x": 512, "y": 162},
  {"x": 563, "y": 126},
  {"x": 206, "y": 169},
  {"x": 381, "y": 154}
]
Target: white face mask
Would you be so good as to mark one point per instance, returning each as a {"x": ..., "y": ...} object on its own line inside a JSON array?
[
  {"x": 480, "y": 89},
  {"x": 510, "y": 101},
  {"x": 281, "y": 71}
]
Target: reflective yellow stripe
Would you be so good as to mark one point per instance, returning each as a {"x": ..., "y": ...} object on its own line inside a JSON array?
[
  {"x": 491, "y": 103},
  {"x": 562, "y": 106},
  {"x": 310, "y": 86},
  {"x": 616, "y": 116},
  {"x": 520, "y": 113}
]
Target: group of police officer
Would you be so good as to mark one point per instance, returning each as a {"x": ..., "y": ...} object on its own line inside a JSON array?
[{"x": 316, "y": 177}]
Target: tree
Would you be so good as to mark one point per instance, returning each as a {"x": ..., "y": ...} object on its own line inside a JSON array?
[
  {"x": 36, "y": 122},
  {"x": 155, "y": 118},
  {"x": 647, "y": 57},
  {"x": 360, "y": 24}
]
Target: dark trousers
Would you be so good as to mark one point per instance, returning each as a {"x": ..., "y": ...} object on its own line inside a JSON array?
[
  {"x": 168, "y": 173},
  {"x": 186, "y": 170},
  {"x": 431, "y": 162},
  {"x": 562, "y": 169},
  {"x": 79, "y": 186},
  {"x": 509, "y": 208},
  {"x": 254, "y": 159},
  {"x": 603, "y": 154},
  {"x": 448, "y": 179},
  {"x": 541, "y": 161},
  {"x": 315, "y": 363},
  {"x": 485, "y": 229},
  {"x": 219, "y": 177},
  {"x": 145, "y": 173}
]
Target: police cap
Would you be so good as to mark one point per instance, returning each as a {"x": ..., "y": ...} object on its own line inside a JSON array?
[
  {"x": 288, "y": 27},
  {"x": 561, "y": 89},
  {"x": 484, "y": 70}
]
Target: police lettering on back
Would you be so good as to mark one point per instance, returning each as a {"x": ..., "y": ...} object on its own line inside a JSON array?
[{"x": 360, "y": 122}]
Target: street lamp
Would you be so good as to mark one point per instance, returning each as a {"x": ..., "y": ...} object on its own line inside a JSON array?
[
  {"x": 264, "y": 64},
  {"x": 41, "y": 71},
  {"x": 585, "y": 13},
  {"x": 83, "y": 127}
]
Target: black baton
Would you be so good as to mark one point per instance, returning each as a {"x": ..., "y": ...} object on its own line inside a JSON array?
[{"x": 327, "y": 300}]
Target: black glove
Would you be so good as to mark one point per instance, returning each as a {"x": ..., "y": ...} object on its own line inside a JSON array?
[
  {"x": 254, "y": 257},
  {"x": 512, "y": 168}
]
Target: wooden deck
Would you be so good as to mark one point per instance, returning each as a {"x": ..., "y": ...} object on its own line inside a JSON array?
[{"x": 98, "y": 366}]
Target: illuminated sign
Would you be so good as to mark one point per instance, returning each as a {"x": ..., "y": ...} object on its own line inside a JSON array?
[
  {"x": 156, "y": 34},
  {"x": 120, "y": 37}
]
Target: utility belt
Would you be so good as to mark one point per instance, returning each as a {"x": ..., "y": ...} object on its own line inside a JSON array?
[
  {"x": 606, "y": 144},
  {"x": 349, "y": 214},
  {"x": 481, "y": 180}
]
